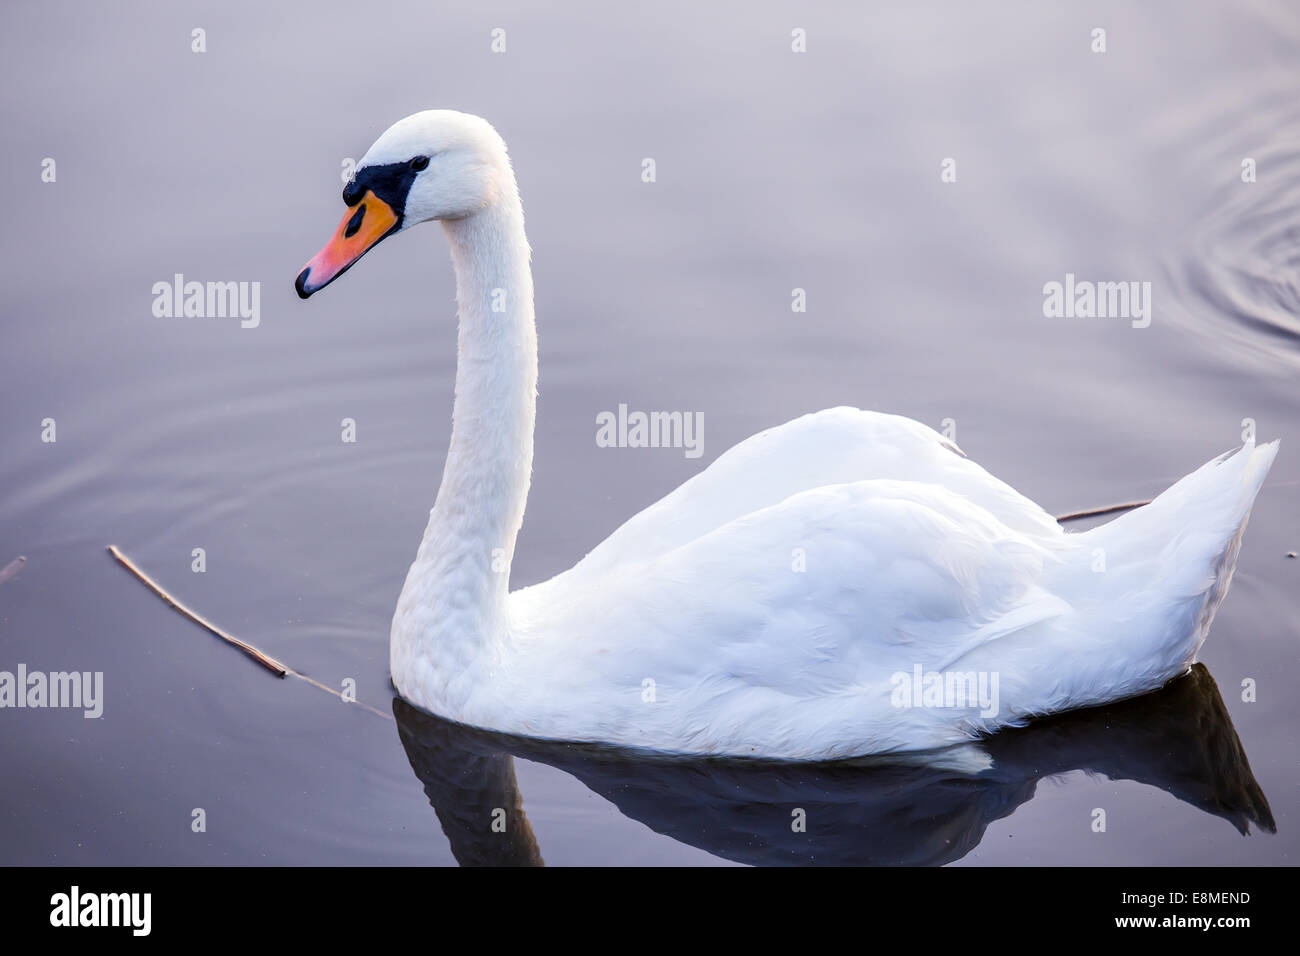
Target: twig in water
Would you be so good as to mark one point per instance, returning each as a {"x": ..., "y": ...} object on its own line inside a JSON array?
[
  {"x": 264, "y": 660},
  {"x": 1096, "y": 512},
  {"x": 347, "y": 700},
  {"x": 11, "y": 569},
  {"x": 270, "y": 663}
]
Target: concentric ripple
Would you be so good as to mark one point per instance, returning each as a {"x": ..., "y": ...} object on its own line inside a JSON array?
[{"x": 1238, "y": 277}]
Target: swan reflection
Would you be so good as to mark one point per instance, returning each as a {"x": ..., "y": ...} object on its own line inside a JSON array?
[{"x": 918, "y": 809}]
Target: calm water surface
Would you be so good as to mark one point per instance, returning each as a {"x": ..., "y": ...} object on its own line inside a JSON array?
[{"x": 818, "y": 171}]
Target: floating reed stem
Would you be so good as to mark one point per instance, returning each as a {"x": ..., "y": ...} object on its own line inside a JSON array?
[
  {"x": 1096, "y": 512},
  {"x": 11, "y": 569},
  {"x": 270, "y": 663}
]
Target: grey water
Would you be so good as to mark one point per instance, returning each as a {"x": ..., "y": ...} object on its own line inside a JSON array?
[{"x": 1171, "y": 158}]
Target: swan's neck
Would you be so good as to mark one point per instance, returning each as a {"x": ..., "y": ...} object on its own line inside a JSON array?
[{"x": 460, "y": 580}]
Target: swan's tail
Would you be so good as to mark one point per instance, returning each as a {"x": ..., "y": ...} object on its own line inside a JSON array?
[{"x": 1161, "y": 571}]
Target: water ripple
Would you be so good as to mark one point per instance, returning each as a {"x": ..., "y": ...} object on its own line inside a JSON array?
[{"x": 1238, "y": 274}]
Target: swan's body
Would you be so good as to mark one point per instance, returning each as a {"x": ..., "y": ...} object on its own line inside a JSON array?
[{"x": 768, "y": 605}]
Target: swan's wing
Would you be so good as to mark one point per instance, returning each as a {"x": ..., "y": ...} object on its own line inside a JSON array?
[
  {"x": 829, "y": 447},
  {"x": 849, "y": 581},
  {"x": 820, "y": 599}
]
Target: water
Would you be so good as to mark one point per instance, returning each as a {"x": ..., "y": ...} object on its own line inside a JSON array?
[{"x": 775, "y": 171}]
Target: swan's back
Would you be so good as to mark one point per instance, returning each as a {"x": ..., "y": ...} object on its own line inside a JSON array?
[{"x": 831, "y": 447}]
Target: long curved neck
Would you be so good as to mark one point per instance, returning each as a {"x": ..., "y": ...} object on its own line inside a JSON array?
[{"x": 470, "y": 540}]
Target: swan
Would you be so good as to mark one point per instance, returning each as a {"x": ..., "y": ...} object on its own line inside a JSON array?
[{"x": 822, "y": 590}]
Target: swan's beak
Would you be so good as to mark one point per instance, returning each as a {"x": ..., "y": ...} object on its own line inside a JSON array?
[{"x": 364, "y": 225}]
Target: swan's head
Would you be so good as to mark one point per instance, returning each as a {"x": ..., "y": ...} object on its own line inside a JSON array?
[{"x": 438, "y": 164}]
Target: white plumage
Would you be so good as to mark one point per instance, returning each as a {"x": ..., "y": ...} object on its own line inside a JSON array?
[{"x": 767, "y": 606}]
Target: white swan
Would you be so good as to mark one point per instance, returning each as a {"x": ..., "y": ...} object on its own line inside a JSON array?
[{"x": 692, "y": 628}]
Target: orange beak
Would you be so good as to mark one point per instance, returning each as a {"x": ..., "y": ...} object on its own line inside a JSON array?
[{"x": 369, "y": 221}]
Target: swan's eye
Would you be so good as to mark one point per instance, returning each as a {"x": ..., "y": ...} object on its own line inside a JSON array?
[{"x": 419, "y": 163}]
